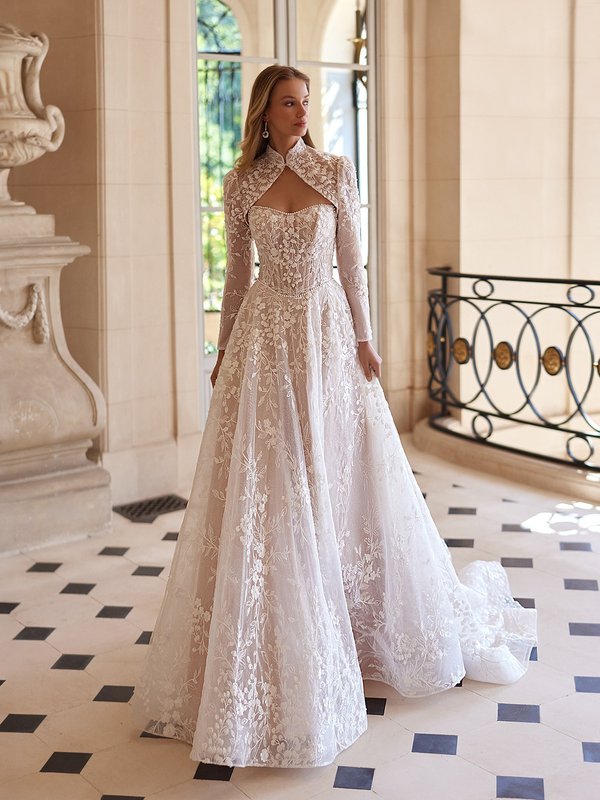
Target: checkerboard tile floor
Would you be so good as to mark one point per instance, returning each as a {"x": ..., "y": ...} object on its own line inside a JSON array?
[{"x": 75, "y": 620}]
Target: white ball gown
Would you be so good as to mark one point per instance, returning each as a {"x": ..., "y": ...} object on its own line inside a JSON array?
[{"x": 307, "y": 559}]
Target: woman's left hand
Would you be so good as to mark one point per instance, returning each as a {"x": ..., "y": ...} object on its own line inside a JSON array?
[{"x": 370, "y": 360}]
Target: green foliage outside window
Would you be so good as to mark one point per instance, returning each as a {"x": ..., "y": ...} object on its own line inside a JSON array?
[{"x": 219, "y": 98}]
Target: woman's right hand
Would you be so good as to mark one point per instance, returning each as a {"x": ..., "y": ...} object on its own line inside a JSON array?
[{"x": 214, "y": 374}]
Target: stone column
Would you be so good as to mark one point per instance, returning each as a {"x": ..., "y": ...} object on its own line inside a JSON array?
[{"x": 50, "y": 409}]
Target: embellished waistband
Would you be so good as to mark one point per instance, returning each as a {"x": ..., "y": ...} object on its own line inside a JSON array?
[{"x": 299, "y": 292}]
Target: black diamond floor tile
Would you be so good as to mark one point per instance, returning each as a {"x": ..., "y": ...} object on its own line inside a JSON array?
[
  {"x": 591, "y": 751},
  {"x": 77, "y": 588},
  {"x": 170, "y": 537},
  {"x": 584, "y": 628},
  {"x": 526, "y": 602},
  {"x": 6, "y": 608},
  {"x": 461, "y": 510},
  {"x": 114, "y": 694},
  {"x": 459, "y": 542},
  {"x": 213, "y": 772},
  {"x": 514, "y": 527},
  {"x": 144, "y": 637},
  {"x": 587, "y": 683},
  {"x": 114, "y": 612},
  {"x": 72, "y": 661},
  {"x": 61, "y": 761},
  {"x": 354, "y": 778},
  {"x": 439, "y": 743},
  {"x": 21, "y": 723},
  {"x": 584, "y": 584},
  {"x": 45, "y": 566},
  {"x": 523, "y": 788},
  {"x": 2, "y": 681},
  {"x": 518, "y": 712},
  {"x": 113, "y": 551},
  {"x": 34, "y": 633},
  {"x": 516, "y": 562},
  {"x": 533, "y": 656},
  {"x": 148, "y": 571},
  {"x": 575, "y": 546},
  {"x": 120, "y": 797},
  {"x": 375, "y": 705}
]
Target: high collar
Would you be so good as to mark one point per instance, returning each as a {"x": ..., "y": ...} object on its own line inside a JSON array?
[
  {"x": 293, "y": 155},
  {"x": 318, "y": 169}
]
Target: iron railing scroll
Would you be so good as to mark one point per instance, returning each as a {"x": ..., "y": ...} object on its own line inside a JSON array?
[{"x": 514, "y": 363}]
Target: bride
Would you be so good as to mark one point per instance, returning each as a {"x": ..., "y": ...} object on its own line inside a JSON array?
[{"x": 307, "y": 560}]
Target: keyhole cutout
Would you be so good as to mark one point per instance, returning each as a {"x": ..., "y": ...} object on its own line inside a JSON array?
[{"x": 289, "y": 193}]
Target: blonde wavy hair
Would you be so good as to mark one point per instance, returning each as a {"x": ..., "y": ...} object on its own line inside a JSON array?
[{"x": 253, "y": 144}]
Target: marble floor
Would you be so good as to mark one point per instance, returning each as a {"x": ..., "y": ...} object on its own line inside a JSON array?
[{"x": 75, "y": 620}]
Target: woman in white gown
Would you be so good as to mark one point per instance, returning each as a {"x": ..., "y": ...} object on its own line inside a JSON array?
[{"x": 307, "y": 559}]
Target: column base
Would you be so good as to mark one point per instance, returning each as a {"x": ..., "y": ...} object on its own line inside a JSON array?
[{"x": 52, "y": 508}]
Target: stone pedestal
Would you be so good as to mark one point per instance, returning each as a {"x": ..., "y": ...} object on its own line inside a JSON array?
[{"x": 50, "y": 409}]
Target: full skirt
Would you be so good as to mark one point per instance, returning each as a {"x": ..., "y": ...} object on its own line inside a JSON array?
[{"x": 308, "y": 559}]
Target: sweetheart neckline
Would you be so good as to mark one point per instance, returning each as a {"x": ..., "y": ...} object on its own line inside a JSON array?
[{"x": 297, "y": 211}]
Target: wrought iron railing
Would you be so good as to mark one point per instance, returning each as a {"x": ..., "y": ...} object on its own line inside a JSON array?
[{"x": 514, "y": 363}]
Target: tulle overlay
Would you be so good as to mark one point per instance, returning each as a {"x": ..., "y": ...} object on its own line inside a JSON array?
[{"x": 308, "y": 559}]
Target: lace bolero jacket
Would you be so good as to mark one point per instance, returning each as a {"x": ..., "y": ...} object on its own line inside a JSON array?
[{"x": 332, "y": 176}]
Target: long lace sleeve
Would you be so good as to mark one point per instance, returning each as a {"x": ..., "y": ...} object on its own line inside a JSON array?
[
  {"x": 349, "y": 256},
  {"x": 239, "y": 258}
]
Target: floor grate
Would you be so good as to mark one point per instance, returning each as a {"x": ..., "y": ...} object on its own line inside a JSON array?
[{"x": 148, "y": 510}]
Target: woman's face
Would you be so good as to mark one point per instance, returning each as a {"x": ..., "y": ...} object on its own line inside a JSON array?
[{"x": 287, "y": 112}]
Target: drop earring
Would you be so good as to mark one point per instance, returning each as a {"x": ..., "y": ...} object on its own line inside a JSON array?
[{"x": 265, "y": 132}]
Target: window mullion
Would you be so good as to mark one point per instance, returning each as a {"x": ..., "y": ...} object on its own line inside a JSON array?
[
  {"x": 292, "y": 33},
  {"x": 280, "y": 10}
]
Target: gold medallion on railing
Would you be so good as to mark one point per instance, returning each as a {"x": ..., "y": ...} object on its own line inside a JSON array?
[
  {"x": 430, "y": 344},
  {"x": 552, "y": 360},
  {"x": 503, "y": 355},
  {"x": 461, "y": 349}
]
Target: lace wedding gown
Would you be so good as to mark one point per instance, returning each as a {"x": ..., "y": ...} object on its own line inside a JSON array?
[{"x": 308, "y": 559}]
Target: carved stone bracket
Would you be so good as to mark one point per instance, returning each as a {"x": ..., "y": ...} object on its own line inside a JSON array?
[{"x": 35, "y": 311}]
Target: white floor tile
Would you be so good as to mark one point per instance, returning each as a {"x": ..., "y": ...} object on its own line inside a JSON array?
[
  {"x": 433, "y": 777},
  {"x": 49, "y": 786},
  {"x": 268, "y": 783},
  {"x": 140, "y": 767}
]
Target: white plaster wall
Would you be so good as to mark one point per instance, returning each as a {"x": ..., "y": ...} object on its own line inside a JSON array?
[
  {"x": 148, "y": 175},
  {"x": 529, "y": 167}
]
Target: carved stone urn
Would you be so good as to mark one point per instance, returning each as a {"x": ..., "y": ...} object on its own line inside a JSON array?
[
  {"x": 28, "y": 128},
  {"x": 50, "y": 409}
]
